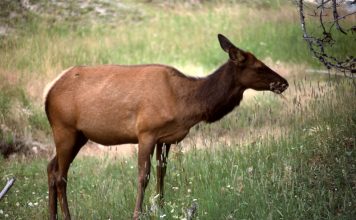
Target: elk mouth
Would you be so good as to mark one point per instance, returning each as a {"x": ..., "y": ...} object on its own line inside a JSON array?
[{"x": 278, "y": 87}]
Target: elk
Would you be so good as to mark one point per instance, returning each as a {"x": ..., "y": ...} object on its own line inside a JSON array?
[{"x": 152, "y": 105}]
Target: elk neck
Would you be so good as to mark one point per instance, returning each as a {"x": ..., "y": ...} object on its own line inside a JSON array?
[{"x": 219, "y": 93}]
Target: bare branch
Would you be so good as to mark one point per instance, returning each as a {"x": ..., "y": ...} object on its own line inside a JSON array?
[
  {"x": 336, "y": 18},
  {"x": 323, "y": 3},
  {"x": 318, "y": 44},
  {"x": 344, "y": 16}
]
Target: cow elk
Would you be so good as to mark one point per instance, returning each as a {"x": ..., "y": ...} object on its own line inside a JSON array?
[{"x": 152, "y": 105}]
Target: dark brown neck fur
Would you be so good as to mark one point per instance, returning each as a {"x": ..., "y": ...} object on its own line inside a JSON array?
[{"x": 220, "y": 93}]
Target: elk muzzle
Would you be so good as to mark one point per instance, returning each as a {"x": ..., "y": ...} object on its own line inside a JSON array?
[{"x": 278, "y": 87}]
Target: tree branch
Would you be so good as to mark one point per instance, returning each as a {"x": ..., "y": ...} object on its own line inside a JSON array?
[{"x": 317, "y": 44}]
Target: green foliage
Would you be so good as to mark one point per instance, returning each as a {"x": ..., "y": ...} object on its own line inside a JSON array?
[
  {"x": 62, "y": 44},
  {"x": 279, "y": 41},
  {"x": 250, "y": 3},
  {"x": 17, "y": 112},
  {"x": 38, "y": 120},
  {"x": 6, "y": 137},
  {"x": 262, "y": 3},
  {"x": 5, "y": 103},
  {"x": 8, "y": 95}
]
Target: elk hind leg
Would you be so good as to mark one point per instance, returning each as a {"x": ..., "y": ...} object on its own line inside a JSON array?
[
  {"x": 161, "y": 157},
  {"x": 52, "y": 189},
  {"x": 68, "y": 145}
]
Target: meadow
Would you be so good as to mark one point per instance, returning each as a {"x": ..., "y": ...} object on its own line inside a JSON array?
[{"x": 271, "y": 158}]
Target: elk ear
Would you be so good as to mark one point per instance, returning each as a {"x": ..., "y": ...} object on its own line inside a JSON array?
[{"x": 235, "y": 54}]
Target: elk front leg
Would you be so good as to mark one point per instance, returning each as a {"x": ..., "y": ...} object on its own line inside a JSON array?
[
  {"x": 145, "y": 151},
  {"x": 161, "y": 157}
]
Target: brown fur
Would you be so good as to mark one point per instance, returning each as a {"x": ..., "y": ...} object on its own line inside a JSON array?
[{"x": 146, "y": 104}]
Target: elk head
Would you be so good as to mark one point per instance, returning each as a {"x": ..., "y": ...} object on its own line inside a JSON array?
[{"x": 250, "y": 72}]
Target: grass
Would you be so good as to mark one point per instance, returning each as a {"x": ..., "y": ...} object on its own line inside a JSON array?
[
  {"x": 269, "y": 159},
  {"x": 17, "y": 110},
  {"x": 36, "y": 53}
]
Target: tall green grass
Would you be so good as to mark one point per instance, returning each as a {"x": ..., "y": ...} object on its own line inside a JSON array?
[
  {"x": 189, "y": 37},
  {"x": 18, "y": 112}
]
